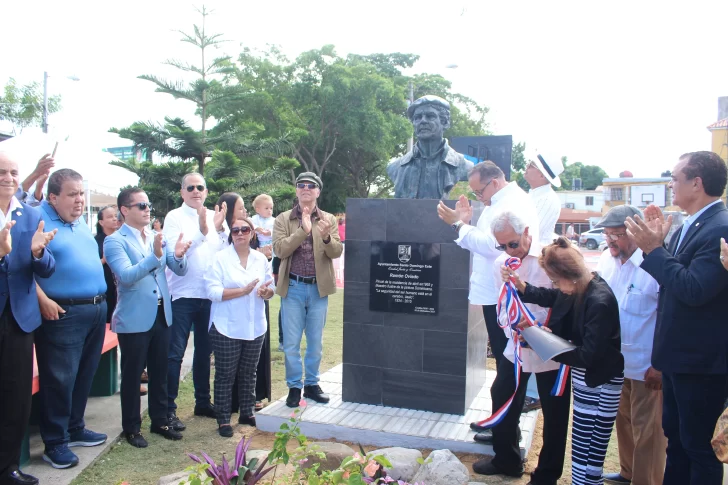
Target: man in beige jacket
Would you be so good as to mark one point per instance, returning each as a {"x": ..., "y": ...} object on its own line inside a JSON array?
[{"x": 307, "y": 240}]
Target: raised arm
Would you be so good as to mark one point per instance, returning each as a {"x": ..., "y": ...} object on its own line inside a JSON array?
[{"x": 120, "y": 264}]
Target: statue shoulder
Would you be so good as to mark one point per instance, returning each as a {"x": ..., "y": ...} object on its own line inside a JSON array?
[
  {"x": 458, "y": 159},
  {"x": 395, "y": 165}
]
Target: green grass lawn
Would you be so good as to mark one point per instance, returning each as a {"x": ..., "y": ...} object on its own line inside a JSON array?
[{"x": 163, "y": 457}]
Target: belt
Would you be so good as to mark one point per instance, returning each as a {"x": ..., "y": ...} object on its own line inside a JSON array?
[
  {"x": 82, "y": 301},
  {"x": 309, "y": 280}
]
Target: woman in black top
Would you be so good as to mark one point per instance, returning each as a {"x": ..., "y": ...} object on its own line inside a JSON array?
[
  {"x": 584, "y": 311},
  {"x": 106, "y": 226}
]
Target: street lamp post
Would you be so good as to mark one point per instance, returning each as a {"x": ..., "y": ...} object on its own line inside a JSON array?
[{"x": 45, "y": 98}]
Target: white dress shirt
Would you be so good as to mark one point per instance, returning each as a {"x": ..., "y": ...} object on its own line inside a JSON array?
[
  {"x": 637, "y": 293},
  {"x": 548, "y": 209},
  {"x": 243, "y": 317},
  {"x": 481, "y": 242},
  {"x": 146, "y": 245},
  {"x": 199, "y": 256},
  {"x": 5, "y": 218},
  {"x": 534, "y": 274}
]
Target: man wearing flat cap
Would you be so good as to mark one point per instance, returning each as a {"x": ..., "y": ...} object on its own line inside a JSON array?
[
  {"x": 306, "y": 239},
  {"x": 431, "y": 169},
  {"x": 641, "y": 441}
]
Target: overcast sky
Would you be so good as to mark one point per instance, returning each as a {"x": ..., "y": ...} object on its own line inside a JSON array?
[{"x": 624, "y": 85}]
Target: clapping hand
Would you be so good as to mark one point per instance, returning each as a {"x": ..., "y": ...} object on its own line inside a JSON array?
[
  {"x": 464, "y": 209},
  {"x": 266, "y": 250},
  {"x": 306, "y": 219},
  {"x": 180, "y": 249},
  {"x": 6, "y": 240},
  {"x": 219, "y": 217},
  {"x": 264, "y": 291},
  {"x": 324, "y": 228},
  {"x": 724, "y": 253},
  {"x": 158, "y": 239},
  {"x": 647, "y": 238},
  {"x": 202, "y": 215},
  {"x": 655, "y": 220},
  {"x": 249, "y": 287},
  {"x": 40, "y": 240}
]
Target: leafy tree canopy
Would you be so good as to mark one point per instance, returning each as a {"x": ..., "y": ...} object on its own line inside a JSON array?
[{"x": 23, "y": 104}]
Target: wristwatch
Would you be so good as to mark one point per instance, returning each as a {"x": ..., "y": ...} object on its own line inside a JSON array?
[{"x": 457, "y": 226}]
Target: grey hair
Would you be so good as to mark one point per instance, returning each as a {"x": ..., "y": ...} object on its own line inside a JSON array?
[
  {"x": 508, "y": 219},
  {"x": 184, "y": 179},
  {"x": 487, "y": 170}
]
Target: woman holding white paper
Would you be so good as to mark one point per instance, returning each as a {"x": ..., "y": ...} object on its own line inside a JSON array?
[{"x": 238, "y": 283}]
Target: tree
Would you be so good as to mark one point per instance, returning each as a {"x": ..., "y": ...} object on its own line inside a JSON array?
[
  {"x": 23, "y": 105},
  {"x": 666, "y": 173},
  {"x": 591, "y": 175},
  {"x": 519, "y": 164}
]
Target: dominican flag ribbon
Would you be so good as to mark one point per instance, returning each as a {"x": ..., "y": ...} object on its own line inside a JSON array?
[{"x": 517, "y": 311}]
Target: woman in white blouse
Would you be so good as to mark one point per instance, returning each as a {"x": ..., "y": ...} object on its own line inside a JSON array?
[{"x": 238, "y": 282}]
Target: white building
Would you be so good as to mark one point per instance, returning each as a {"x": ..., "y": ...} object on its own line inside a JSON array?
[{"x": 583, "y": 200}]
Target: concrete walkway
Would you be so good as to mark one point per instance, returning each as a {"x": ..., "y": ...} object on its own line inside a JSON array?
[{"x": 103, "y": 415}]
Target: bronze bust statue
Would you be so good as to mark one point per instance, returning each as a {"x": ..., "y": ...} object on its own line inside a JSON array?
[{"x": 431, "y": 168}]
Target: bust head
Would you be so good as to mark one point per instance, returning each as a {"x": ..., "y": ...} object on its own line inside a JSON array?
[{"x": 430, "y": 116}]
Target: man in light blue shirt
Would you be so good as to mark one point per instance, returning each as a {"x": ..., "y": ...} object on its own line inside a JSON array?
[{"x": 73, "y": 306}]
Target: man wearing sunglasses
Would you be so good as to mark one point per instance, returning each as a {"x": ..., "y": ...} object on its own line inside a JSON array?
[
  {"x": 143, "y": 313},
  {"x": 641, "y": 441},
  {"x": 190, "y": 306},
  {"x": 306, "y": 239},
  {"x": 514, "y": 239}
]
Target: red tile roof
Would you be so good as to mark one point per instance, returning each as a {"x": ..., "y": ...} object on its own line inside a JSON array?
[{"x": 719, "y": 124}]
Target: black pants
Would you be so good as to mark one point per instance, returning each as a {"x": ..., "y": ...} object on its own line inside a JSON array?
[
  {"x": 555, "y": 423},
  {"x": 16, "y": 387},
  {"x": 148, "y": 347},
  {"x": 692, "y": 405},
  {"x": 496, "y": 336}
]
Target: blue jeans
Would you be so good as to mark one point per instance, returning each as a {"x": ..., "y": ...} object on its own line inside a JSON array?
[
  {"x": 68, "y": 352},
  {"x": 305, "y": 311},
  {"x": 188, "y": 313},
  {"x": 692, "y": 404}
]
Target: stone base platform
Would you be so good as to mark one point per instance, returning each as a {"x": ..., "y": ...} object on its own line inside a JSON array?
[{"x": 387, "y": 426}]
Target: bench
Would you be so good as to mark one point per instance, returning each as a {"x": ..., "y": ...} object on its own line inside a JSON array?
[{"x": 106, "y": 382}]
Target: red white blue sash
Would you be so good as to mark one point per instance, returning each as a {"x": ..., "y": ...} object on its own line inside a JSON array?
[{"x": 516, "y": 310}]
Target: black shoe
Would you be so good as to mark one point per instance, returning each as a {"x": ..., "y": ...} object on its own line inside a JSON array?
[
  {"x": 20, "y": 478},
  {"x": 250, "y": 421},
  {"x": 486, "y": 467},
  {"x": 136, "y": 440},
  {"x": 167, "y": 432},
  {"x": 487, "y": 436},
  {"x": 478, "y": 428},
  {"x": 294, "y": 397},
  {"x": 616, "y": 478},
  {"x": 225, "y": 430},
  {"x": 206, "y": 411},
  {"x": 315, "y": 393},
  {"x": 531, "y": 404},
  {"x": 175, "y": 423}
]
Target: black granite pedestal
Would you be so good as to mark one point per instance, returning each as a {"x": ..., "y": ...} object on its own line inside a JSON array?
[{"x": 427, "y": 361}]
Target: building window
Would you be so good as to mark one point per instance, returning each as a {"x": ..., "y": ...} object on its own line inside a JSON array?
[
  {"x": 589, "y": 200},
  {"x": 615, "y": 193}
]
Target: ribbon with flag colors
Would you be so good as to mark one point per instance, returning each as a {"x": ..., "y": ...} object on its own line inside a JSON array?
[{"x": 517, "y": 311}]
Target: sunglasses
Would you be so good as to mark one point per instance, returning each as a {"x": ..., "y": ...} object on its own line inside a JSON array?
[
  {"x": 307, "y": 186},
  {"x": 200, "y": 188},
  {"x": 615, "y": 237},
  {"x": 512, "y": 245},
  {"x": 241, "y": 230},
  {"x": 141, "y": 205}
]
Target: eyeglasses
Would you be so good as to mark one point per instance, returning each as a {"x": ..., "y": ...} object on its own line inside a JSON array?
[
  {"x": 615, "y": 237},
  {"x": 141, "y": 205},
  {"x": 479, "y": 193},
  {"x": 512, "y": 245},
  {"x": 200, "y": 188},
  {"x": 306, "y": 186},
  {"x": 241, "y": 230}
]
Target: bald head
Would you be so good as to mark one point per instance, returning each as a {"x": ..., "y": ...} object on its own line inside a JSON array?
[{"x": 9, "y": 178}]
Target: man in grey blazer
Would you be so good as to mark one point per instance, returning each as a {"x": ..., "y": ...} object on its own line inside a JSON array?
[{"x": 143, "y": 312}]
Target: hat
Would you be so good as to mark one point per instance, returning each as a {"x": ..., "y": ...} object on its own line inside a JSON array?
[
  {"x": 425, "y": 100},
  {"x": 310, "y": 177},
  {"x": 550, "y": 167},
  {"x": 617, "y": 215}
]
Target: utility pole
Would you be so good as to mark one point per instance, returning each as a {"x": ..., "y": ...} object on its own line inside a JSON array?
[{"x": 45, "y": 101}]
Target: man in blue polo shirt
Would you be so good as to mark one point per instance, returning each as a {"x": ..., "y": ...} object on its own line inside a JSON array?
[{"x": 73, "y": 307}]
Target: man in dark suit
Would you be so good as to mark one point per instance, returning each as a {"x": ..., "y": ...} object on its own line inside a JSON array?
[
  {"x": 23, "y": 255},
  {"x": 691, "y": 334}
]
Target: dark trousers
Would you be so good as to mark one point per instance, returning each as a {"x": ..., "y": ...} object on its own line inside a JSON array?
[
  {"x": 16, "y": 384},
  {"x": 496, "y": 336},
  {"x": 68, "y": 351},
  {"x": 188, "y": 314},
  {"x": 234, "y": 358},
  {"x": 555, "y": 423},
  {"x": 138, "y": 349},
  {"x": 692, "y": 404}
]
